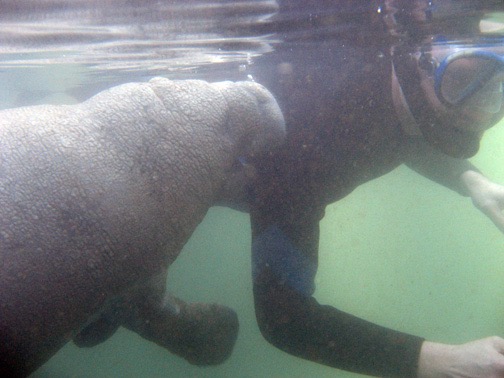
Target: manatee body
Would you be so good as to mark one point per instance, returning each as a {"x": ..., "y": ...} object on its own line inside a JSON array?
[{"x": 97, "y": 200}]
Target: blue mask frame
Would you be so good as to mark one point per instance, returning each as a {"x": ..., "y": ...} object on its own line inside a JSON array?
[{"x": 476, "y": 84}]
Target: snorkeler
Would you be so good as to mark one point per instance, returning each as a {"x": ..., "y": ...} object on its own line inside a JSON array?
[{"x": 361, "y": 98}]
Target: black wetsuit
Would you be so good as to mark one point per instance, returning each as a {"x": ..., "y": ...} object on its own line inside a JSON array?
[{"x": 333, "y": 83}]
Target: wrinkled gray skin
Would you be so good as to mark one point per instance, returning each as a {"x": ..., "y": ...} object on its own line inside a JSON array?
[{"x": 97, "y": 200}]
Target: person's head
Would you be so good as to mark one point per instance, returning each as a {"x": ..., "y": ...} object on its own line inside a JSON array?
[{"x": 451, "y": 72}]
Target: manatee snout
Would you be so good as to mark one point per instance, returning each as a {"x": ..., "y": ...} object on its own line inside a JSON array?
[
  {"x": 255, "y": 118},
  {"x": 271, "y": 116}
]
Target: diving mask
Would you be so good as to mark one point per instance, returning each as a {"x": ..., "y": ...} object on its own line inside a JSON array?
[{"x": 472, "y": 78}]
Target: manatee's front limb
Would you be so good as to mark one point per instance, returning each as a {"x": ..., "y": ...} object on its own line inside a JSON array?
[
  {"x": 98, "y": 331},
  {"x": 201, "y": 333}
]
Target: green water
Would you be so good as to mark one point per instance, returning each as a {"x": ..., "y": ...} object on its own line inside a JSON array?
[{"x": 399, "y": 251}]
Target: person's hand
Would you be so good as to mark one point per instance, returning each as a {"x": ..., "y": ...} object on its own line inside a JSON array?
[
  {"x": 476, "y": 359},
  {"x": 486, "y": 196}
]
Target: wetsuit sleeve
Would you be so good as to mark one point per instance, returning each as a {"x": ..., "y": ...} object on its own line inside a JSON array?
[
  {"x": 436, "y": 166},
  {"x": 284, "y": 267}
]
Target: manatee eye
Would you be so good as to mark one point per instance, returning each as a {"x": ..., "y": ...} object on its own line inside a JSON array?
[{"x": 238, "y": 165}]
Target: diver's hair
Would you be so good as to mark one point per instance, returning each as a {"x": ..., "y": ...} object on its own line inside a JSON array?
[
  {"x": 416, "y": 20},
  {"x": 404, "y": 21}
]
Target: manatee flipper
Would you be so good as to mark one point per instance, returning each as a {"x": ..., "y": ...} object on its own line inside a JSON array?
[
  {"x": 203, "y": 334},
  {"x": 97, "y": 332}
]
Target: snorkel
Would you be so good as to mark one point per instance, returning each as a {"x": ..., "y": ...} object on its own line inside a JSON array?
[{"x": 414, "y": 25}]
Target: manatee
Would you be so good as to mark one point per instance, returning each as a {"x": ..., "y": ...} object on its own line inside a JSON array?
[{"x": 97, "y": 199}]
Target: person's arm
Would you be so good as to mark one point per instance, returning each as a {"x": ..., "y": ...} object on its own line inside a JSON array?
[
  {"x": 459, "y": 175},
  {"x": 285, "y": 239},
  {"x": 436, "y": 166},
  {"x": 284, "y": 267},
  {"x": 293, "y": 321}
]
